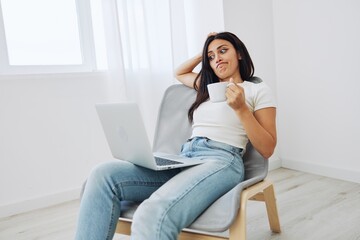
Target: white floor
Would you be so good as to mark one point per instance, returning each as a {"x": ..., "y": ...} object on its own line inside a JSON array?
[{"x": 311, "y": 207}]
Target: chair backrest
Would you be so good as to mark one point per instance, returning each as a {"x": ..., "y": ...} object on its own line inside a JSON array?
[{"x": 173, "y": 129}]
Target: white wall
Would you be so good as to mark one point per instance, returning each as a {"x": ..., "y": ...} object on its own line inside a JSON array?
[
  {"x": 50, "y": 138},
  {"x": 202, "y": 17},
  {"x": 192, "y": 21},
  {"x": 252, "y": 22},
  {"x": 318, "y": 79}
]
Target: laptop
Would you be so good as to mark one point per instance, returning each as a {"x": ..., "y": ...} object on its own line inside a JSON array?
[{"x": 127, "y": 138}]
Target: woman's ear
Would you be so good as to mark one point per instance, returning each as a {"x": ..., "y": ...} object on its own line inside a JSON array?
[{"x": 239, "y": 56}]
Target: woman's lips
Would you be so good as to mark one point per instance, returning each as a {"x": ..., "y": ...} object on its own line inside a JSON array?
[{"x": 220, "y": 65}]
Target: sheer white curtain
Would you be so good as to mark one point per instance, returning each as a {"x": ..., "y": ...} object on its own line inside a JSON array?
[
  {"x": 146, "y": 39},
  {"x": 138, "y": 34},
  {"x": 145, "y": 32}
]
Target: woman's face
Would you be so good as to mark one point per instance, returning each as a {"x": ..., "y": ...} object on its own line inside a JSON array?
[{"x": 224, "y": 60}]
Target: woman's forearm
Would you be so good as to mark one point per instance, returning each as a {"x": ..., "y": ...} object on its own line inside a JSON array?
[{"x": 184, "y": 73}]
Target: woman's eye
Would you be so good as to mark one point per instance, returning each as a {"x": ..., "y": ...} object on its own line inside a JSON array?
[
  {"x": 223, "y": 50},
  {"x": 211, "y": 57}
]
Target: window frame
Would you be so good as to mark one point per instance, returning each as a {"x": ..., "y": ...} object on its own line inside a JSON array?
[{"x": 87, "y": 46}]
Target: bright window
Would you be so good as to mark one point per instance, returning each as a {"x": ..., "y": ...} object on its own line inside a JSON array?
[
  {"x": 47, "y": 36},
  {"x": 41, "y": 36}
]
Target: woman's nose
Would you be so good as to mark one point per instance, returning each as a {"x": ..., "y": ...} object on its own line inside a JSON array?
[{"x": 217, "y": 58}]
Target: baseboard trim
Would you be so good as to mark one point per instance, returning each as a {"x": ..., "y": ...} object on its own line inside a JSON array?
[
  {"x": 38, "y": 203},
  {"x": 323, "y": 170},
  {"x": 274, "y": 163}
]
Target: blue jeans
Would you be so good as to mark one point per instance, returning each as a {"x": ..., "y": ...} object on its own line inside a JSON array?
[{"x": 172, "y": 199}]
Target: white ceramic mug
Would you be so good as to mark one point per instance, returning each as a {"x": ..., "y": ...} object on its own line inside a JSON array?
[{"x": 217, "y": 91}]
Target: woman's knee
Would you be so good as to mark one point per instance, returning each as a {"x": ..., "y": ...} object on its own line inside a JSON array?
[
  {"x": 102, "y": 170},
  {"x": 102, "y": 176},
  {"x": 151, "y": 220}
]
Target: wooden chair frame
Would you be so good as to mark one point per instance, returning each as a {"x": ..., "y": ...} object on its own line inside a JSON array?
[{"x": 261, "y": 191}]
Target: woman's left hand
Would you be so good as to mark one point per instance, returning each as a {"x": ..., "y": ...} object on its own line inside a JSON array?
[{"x": 235, "y": 96}]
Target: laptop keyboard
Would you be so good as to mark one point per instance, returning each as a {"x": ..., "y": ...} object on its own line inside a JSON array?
[{"x": 163, "y": 162}]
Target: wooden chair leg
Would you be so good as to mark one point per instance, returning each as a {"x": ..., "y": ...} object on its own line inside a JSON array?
[
  {"x": 237, "y": 230},
  {"x": 123, "y": 227},
  {"x": 198, "y": 236},
  {"x": 263, "y": 191},
  {"x": 271, "y": 208}
]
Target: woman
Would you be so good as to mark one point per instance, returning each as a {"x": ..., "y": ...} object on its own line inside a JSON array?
[{"x": 174, "y": 199}]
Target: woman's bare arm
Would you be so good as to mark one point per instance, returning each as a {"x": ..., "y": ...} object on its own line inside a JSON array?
[
  {"x": 184, "y": 73},
  {"x": 261, "y": 129},
  {"x": 260, "y": 126}
]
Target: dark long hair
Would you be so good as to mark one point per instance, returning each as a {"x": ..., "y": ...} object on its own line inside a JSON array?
[{"x": 207, "y": 75}]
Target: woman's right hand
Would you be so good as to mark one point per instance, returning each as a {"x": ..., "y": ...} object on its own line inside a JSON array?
[
  {"x": 212, "y": 34},
  {"x": 184, "y": 73}
]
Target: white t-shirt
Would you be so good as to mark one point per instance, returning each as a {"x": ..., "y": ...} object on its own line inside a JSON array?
[{"x": 219, "y": 122}]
